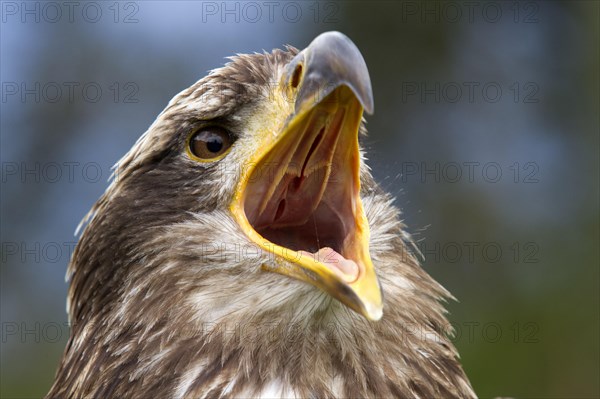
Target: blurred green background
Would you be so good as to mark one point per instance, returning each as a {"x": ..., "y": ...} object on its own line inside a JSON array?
[{"x": 486, "y": 129}]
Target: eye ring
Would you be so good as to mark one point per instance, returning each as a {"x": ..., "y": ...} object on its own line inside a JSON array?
[{"x": 209, "y": 143}]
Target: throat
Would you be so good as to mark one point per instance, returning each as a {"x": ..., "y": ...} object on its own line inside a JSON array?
[{"x": 323, "y": 228}]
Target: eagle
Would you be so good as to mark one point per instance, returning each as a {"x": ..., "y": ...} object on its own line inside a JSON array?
[{"x": 243, "y": 249}]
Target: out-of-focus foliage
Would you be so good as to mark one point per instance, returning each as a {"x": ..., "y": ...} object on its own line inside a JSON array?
[{"x": 519, "y": 250}]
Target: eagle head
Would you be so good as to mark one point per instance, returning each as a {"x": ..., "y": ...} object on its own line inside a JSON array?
[{"x": 243, "y": 249}]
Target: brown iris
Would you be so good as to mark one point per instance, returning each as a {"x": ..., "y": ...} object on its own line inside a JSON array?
[{"x": 210, "y": 143}]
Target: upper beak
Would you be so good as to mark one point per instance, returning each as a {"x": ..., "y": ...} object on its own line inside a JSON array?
[
  {"x": 330, "y": 61},
  {"x": 330, "y": 86}
]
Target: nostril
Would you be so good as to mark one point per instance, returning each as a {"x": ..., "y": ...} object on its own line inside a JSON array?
[{"x": 296, "y": 76}]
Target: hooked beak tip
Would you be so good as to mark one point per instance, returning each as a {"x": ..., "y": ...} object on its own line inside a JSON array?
[{"x": 330, "y": 61}]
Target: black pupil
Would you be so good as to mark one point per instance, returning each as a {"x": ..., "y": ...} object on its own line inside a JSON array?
[{"x": 214, "y": 143}]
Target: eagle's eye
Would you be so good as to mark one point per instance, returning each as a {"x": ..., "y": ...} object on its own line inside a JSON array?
[{"x": 209, "y": 143}]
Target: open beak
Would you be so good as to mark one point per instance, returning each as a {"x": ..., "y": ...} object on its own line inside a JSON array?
[{"x": 300, "y": 198}]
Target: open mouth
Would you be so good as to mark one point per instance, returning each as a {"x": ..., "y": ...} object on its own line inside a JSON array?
[
  {"x": 299, "y": 199},
  {"x": 301, "y": 202},
  {"x": 301, "y": 194}
]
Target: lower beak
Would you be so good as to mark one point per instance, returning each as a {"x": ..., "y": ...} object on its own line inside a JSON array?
[{"x": 300, "y": 200}]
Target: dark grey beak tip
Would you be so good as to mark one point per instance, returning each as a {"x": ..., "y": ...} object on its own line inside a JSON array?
[{"x": 332, "y": 60}]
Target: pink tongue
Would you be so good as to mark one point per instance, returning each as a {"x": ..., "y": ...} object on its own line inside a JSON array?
[{"x": 345, "y": 268}]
